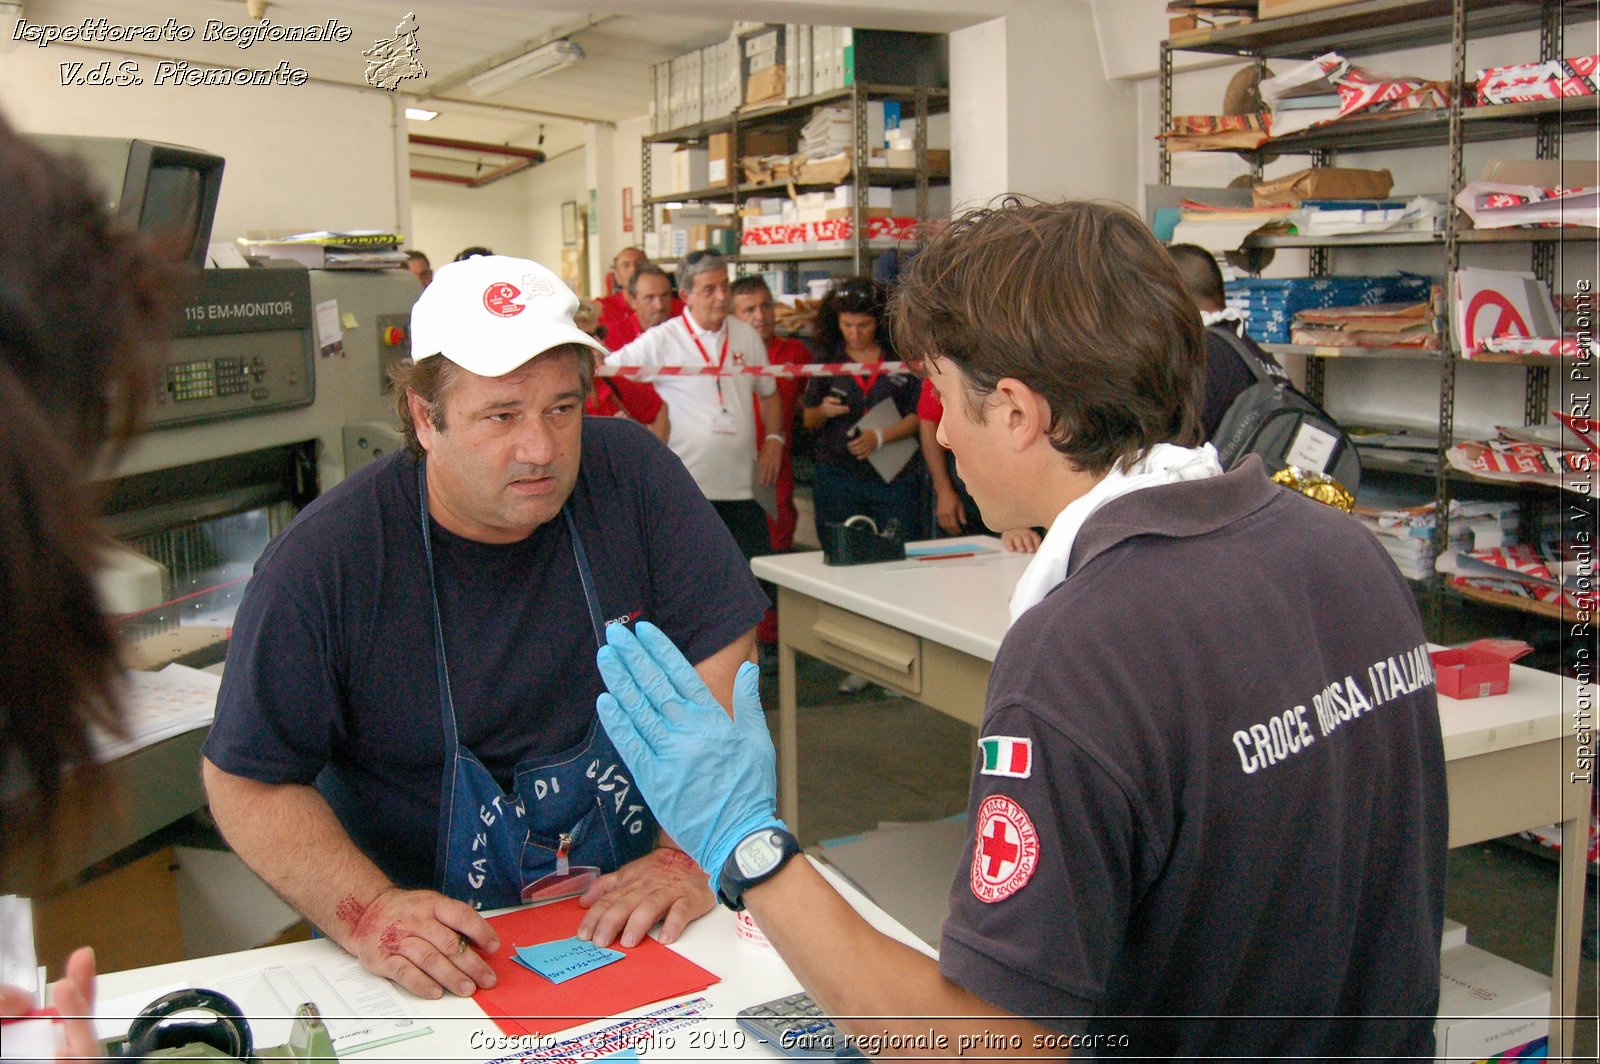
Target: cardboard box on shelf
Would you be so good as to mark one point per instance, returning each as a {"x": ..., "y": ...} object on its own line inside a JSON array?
[
  {"x": 835, "y": 213},
  {"x": 1489, "y": 1008},
  {"x": 719, "y": 160},
  {"x": 765, "y": 86},
  {"x": 1281, "y": 8},
  {"x": 690, "y": 169},
  {"x": 1329, "y": 182},
  {"x": 1478, "y": 669}
]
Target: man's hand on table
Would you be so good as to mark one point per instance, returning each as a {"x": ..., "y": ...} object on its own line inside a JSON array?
[
  {"x": 420, "y": 939},
  {"x": 664, "y": 886}
]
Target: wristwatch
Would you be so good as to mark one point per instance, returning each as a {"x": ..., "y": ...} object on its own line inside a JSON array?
[{"x": 756, "y": 859}]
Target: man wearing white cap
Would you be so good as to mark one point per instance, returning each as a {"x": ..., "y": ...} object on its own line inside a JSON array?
[
  {"x": 406, "y": 729},
  {"x": 713, "y": 417}
]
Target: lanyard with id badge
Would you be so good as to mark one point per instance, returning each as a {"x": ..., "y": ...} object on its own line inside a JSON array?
[{"x": 723, "y": 423}]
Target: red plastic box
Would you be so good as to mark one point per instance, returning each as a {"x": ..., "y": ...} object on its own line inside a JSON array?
[{"x": 1478, "y": 669}]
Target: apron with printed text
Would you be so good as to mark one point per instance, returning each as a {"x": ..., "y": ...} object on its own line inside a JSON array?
[{"x": 579, "y": 801}]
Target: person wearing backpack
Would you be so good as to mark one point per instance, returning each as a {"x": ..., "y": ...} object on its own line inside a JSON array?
[
  {"x": 1250, "y": 406},
  {"x": 1227, "y": 375}
]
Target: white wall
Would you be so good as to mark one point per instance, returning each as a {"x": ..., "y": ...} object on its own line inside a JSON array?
[
  {"x": 559, "y": 180},
  {"x": 1034, "y": 114},
  {"x": 313, "y": 156},
  {"x": 446, "y": 218}
]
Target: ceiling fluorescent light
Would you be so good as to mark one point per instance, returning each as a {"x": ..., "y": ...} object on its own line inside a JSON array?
[
  {"x": 421, "y": 114},
  {"x": 543, "y": 60}
]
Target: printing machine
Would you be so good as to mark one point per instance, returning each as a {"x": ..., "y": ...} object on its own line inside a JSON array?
[{"x": 273, "y": 391}]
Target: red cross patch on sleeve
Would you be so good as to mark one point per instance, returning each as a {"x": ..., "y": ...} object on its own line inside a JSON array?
[{"x": 1006, "y": 852}]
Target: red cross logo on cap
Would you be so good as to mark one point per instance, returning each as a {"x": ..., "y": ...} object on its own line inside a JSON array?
[
  {"x": 500, "y": 299},
  {"x": 1006, "y": 851}
]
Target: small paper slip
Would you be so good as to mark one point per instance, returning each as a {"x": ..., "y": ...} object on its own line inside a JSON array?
[
  {"x": 565, "y": 958},
  {"x": 362, "y": 1010},
  {"x": 944, "y": 550},
  {"x": 891, "y": 458},
  {"x": 522, "y": 1003}
]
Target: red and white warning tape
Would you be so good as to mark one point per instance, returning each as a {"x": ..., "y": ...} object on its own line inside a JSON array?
[{"x": 779, "y": 369}]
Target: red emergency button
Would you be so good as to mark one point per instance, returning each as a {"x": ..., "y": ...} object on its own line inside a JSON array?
[{"x": 394, "y": 336}]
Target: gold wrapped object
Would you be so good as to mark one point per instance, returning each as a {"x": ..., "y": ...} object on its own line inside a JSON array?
[{"x": 1318, "y": 486}]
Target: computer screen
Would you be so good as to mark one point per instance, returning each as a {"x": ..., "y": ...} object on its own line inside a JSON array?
[{"x": 165, "y": 190}]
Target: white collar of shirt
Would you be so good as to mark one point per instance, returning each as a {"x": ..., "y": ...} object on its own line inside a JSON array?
[
  {"x": 696, "y": 330},
  {"x": 1165, "y": 463},
  {"x": 1211, "y": 317}
]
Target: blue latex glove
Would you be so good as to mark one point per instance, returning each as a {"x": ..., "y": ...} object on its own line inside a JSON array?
[{"x": 709, "y": 780}]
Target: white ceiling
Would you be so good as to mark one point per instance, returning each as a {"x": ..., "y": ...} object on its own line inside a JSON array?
[{"x": 459, "y": 39}]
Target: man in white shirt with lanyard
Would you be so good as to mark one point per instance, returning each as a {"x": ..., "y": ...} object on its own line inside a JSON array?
[{"x": 713, "y": 417}]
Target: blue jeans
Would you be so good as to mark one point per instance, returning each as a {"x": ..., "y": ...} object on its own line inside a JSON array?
[{"x": 838, "y": 495}]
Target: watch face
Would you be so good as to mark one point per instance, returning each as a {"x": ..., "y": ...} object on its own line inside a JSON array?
[{"x": 756, "y": 855}]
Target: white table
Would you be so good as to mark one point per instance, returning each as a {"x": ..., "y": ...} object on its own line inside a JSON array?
[
  {"x": 930, "y": 630},
  {"x": 749, "y": 973}
]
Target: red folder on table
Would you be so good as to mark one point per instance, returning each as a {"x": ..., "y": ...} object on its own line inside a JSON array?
[{"x": 524, "y": 1002}]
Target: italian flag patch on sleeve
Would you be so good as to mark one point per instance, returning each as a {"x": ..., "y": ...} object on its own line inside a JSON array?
[{"x": 1006, "y": 755}]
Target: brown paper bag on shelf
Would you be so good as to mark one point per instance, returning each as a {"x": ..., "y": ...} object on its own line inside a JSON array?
[{"x": 1327, "y": 182}]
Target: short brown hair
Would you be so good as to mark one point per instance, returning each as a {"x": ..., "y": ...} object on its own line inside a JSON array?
[
  {"x": 1078, "y": 301},
  {"x": 434, "y": 377}
]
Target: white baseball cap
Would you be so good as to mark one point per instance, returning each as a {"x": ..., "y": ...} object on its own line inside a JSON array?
[{"x": 491, "y": 313}]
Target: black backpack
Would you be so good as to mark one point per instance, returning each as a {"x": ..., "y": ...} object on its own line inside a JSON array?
[{"x": 1273, "y": 419}]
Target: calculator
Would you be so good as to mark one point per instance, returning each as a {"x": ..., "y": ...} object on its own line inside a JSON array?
[{"x": 796, "y": 1027}]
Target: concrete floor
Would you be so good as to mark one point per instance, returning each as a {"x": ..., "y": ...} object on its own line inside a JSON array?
[{"x": 871, "y": 758}]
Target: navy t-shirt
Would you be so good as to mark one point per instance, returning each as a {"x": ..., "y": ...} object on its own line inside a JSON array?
[
  {"x": 832, "y": 445},
  {"x": 330, "y": 675}
]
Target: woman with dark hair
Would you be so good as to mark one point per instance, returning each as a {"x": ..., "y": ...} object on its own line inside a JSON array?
[
  {"x": 853, "y": 325},
  {"x": 82, "y": 309}
]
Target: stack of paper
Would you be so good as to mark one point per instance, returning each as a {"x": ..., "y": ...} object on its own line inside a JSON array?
[
  {"x": 1375, "y": 325},
  {"x": 1346, "y": 217},
  {"x": 1561, "y": 454},
  {"x": 1521, "y": 570},
  {"x": 157, "y": 706},
  {"x": 1500, "y": 205},
  {"x": 1330, "y": 87},
  {"x": 356, "y": 249},
  {"x": 1224, "y": 228},
  {"x": 1406, "y": 533},
  {"x": 1553, "y": 79},
  {"x": 826, "y": 132},
  {"x": 1409, "y": 446},
  {"x": 1269, "y": 305}
]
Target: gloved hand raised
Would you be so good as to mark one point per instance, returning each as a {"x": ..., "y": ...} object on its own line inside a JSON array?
[{"x": 709, "y": 780}]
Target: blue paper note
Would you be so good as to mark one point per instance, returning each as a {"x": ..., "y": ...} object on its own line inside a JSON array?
[{"x": 565, "y": 958}]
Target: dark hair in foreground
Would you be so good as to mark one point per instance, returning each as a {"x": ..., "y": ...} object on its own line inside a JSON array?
[
  {"x": 83, "y": 308},
  {"x": 854, "y": 295},
  {"x": 1076, "y": 300}
]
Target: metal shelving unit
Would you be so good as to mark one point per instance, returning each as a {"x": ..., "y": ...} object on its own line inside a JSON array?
[
  {"x": 791, "y": 115},
  {"x": 1381, "y": 25}
]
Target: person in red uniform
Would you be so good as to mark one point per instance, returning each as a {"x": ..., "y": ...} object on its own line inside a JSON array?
[
  {"x": 752, "y": 304},
  {"x": 954, "y": 511},
  {"x": 623, "y": 313},
  {"x": 621, "y": 396}
]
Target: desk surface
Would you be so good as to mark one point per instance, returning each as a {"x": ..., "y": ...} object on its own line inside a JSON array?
[
  {"x": 963, "y": 603},
  {"x": 750, "y": 974}
]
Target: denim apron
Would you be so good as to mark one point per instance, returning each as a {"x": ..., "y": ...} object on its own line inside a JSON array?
[{"x": 574, "y": 807}]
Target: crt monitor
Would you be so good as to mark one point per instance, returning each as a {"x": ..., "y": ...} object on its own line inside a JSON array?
[{"x": 162, "y": 189}]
